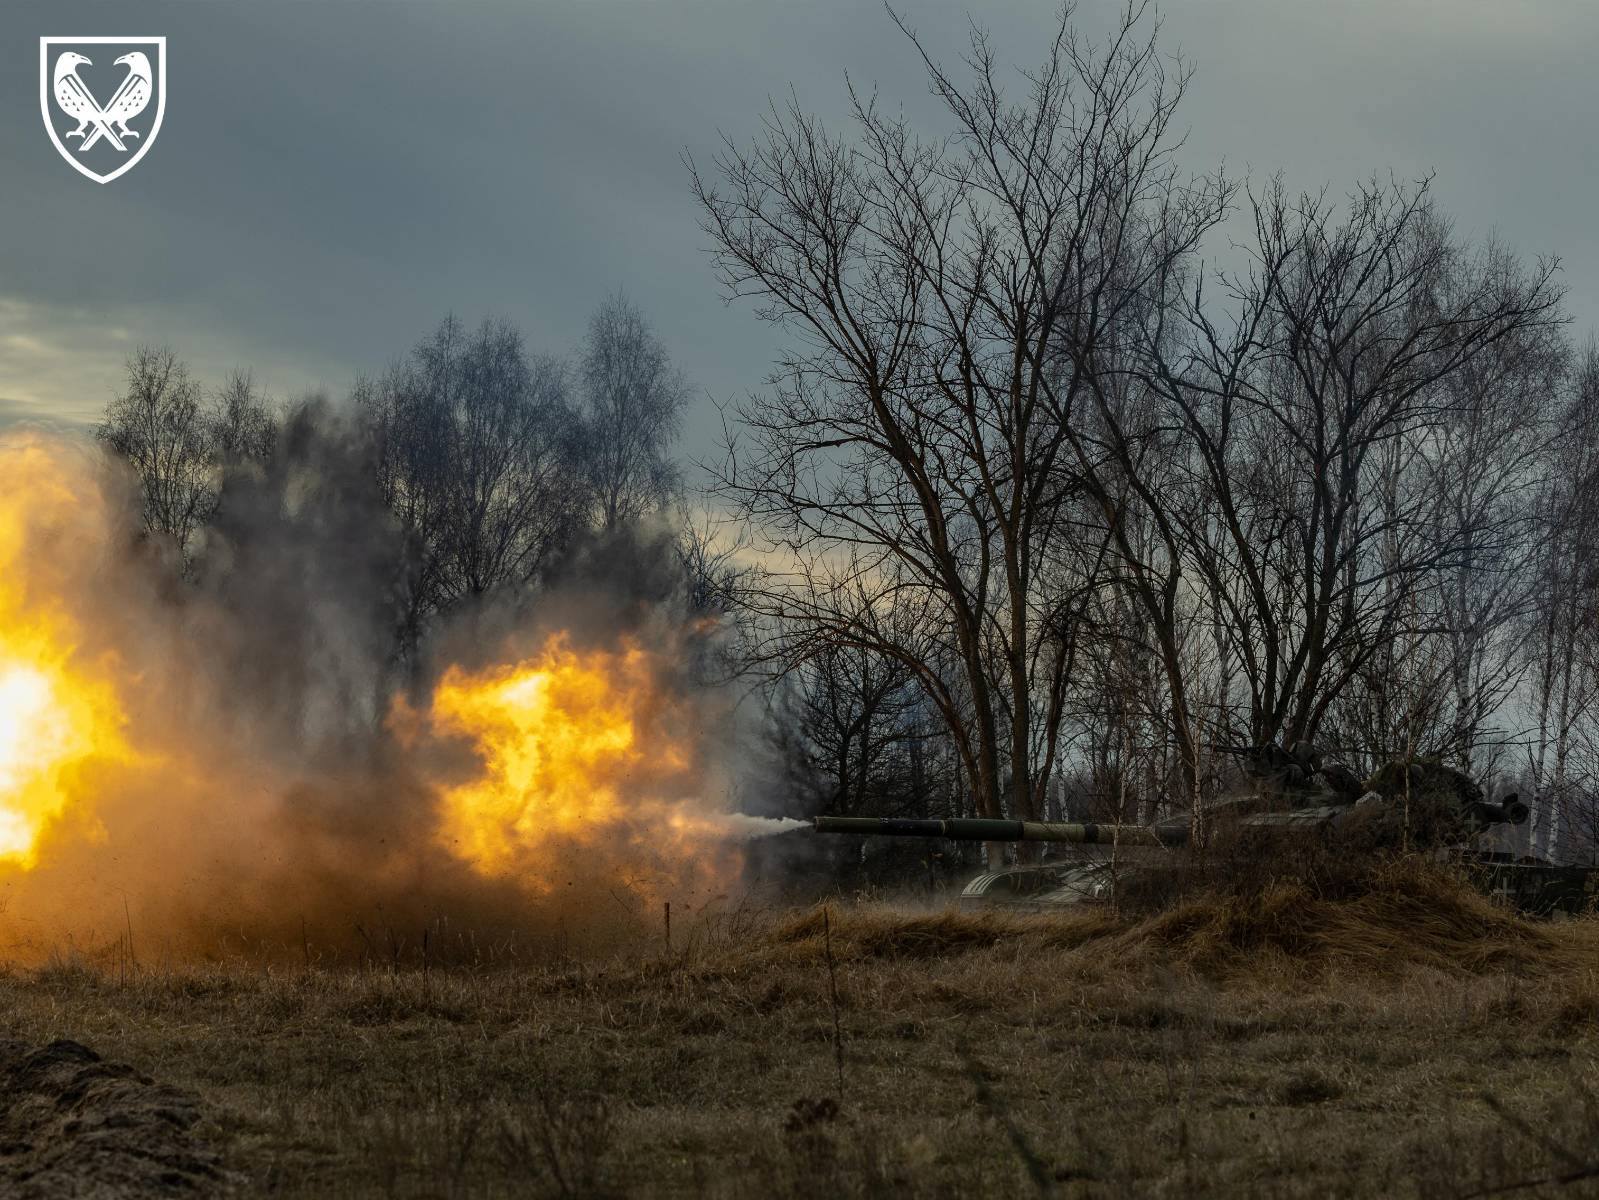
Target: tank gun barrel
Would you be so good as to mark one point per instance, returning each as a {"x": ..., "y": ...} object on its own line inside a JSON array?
[
  {"x": 980, "y": 829},
  {"x": 1509, "y": 811}
]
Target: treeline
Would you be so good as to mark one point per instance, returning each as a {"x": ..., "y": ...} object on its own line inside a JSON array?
[
  {"x": 1082, "y": 468},
  {"x": 489, "y": 459}
]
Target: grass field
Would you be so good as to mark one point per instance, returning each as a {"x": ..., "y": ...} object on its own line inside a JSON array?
[{"x": 1412, "y": 1042}]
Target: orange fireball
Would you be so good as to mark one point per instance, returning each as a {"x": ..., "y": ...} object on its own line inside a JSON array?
[
  {"x": 55, "y": 717},
  {"x": 558, "y": 737}
]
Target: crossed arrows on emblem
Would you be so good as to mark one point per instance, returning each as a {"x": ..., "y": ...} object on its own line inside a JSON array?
[{"x": 74, "y": 98}]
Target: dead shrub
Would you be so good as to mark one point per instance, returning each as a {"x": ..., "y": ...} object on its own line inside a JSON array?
[
  {"x": 1308, "y": 1087},
  {"x": 862, "y": 933},
  {"x": 561, "y": 1139},
  {"x": 1384, "y": 915}
]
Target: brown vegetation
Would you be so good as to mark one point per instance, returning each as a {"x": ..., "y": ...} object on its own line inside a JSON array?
[{"x": 1412, "y": 1041}]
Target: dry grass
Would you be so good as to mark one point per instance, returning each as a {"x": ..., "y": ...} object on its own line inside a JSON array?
[{"x": 1410, "y": 1041}]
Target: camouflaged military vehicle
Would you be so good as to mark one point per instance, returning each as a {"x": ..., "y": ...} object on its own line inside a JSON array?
[{"x": 1298, "y": 793}]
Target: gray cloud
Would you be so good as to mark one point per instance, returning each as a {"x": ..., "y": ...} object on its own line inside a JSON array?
[{"x": 332, "y": 177}]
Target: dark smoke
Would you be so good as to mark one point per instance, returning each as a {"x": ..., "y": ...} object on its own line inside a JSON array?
[{"x": 275, "y": 806}]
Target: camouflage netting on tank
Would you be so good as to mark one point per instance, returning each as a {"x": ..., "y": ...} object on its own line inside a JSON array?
[
  {"x": 72, "y": 1124},
  {"x": 1432, "y": 802}
]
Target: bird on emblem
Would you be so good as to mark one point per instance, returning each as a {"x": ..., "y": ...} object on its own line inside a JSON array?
[
  {"x": 131, "y": 97},
  {"x": 74, "y": 99}
]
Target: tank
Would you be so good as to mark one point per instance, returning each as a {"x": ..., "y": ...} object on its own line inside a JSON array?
[{"x": 1421, "y": 804}]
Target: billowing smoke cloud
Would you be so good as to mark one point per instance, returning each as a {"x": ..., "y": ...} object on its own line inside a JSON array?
[{"x": 241, "y": 762}]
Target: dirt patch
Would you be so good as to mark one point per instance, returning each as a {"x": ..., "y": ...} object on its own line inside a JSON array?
[{"x": 72, "y": 1124}]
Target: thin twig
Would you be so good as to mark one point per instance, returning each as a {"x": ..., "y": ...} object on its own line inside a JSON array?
[
  {"x": 832, "y": 986},
  {"x": 128, "y": 917}
]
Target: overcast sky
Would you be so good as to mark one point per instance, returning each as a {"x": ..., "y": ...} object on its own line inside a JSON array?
[{"x": 332, "y": 176}]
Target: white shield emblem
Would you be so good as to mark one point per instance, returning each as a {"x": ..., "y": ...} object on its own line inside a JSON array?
[{"x": 102, "y": 99}]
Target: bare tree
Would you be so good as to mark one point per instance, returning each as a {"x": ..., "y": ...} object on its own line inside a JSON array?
[
  {"x": 477, "y": 460},
  {"x": 713, "y": 574},
  {"x": 633, "y": 400},
  {"x": 910, "y": 465},
  {"x": 1563, "y": 641},
  {"x": 856, "y": 712},
  {"x": 242, "y": 427},
  {"x": 1317, "y": 428},
  {"x": 158, "y": 426},
  {"x": 1490, "y": 459}
]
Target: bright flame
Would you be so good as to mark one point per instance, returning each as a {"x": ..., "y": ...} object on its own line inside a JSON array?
[
  {"x": 559, "y": 738},
  {"x": 54, "y": 718},
  {"x": 160, "y": 765},
  {"x": 49, "y": 724}
]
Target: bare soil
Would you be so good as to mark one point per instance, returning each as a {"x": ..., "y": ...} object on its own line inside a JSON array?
[{"x": 72, "y": 1124}]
